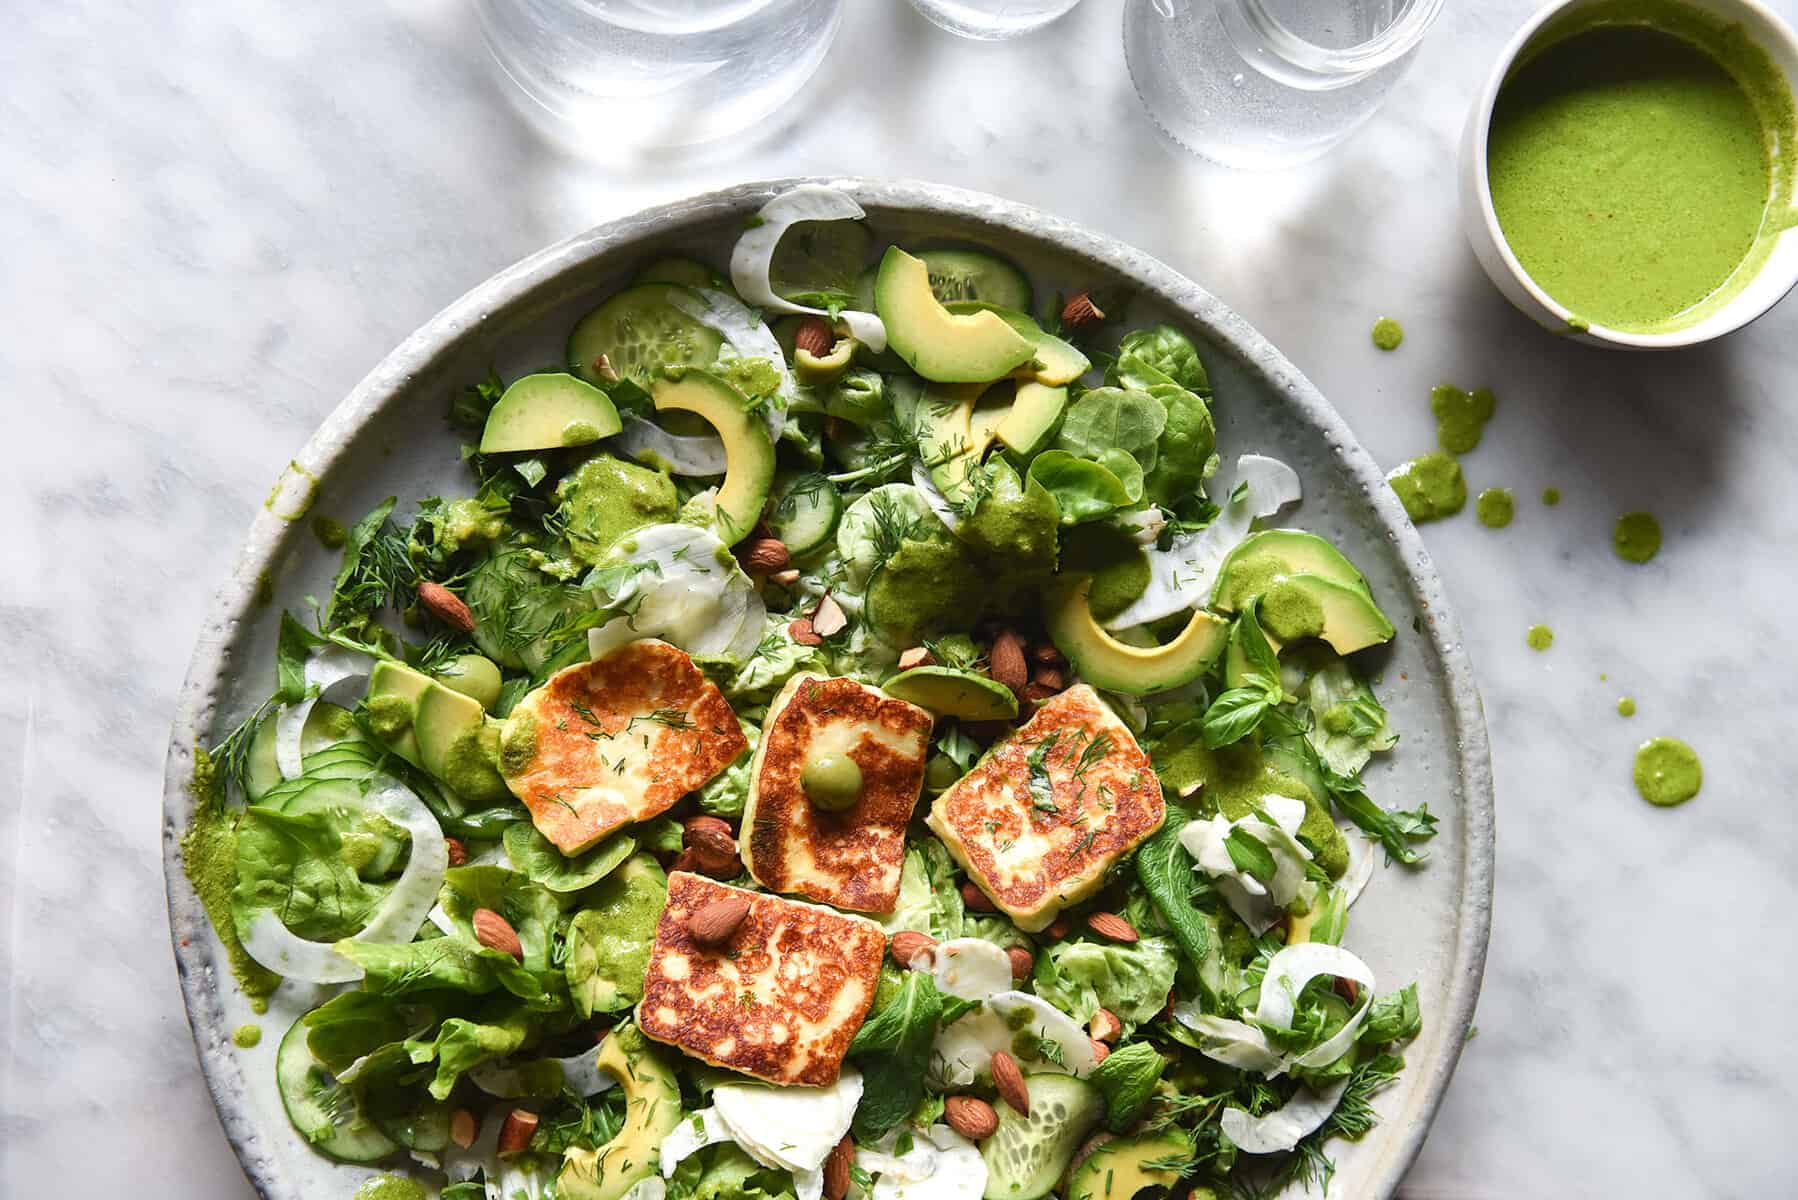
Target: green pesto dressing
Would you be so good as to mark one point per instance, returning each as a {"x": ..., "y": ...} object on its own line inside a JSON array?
[
  {"x": 1631, "y": 159},
  {"x": 1626, "y": 706},
  {"x": 330, "y": 532},
  {"x": 1496, "y": 507},
  {"x": 292, "y": 496},
  {"x": 1637, "y": 537},
  {"x": 391, "y": 1187},
  {"x": 209, "y": 860},
  {"x": 1460, "y": 416},
  {"x": 1551, "y": 496},
  {"x": 605, "y": 499},
  {"x": 1120, "y": 569},
  {"x": 1430, "y": 487},
  {"x": 1668, "y": 772},
  {"x": 1540, "y": 637},
  {"x": 1291, "y": 612},
  {"x": 246, "y": 1036},
  {"x": 1388, "y": 333}
]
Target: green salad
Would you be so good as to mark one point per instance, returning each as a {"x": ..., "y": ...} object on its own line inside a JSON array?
[{"x": 853, "y": 738}]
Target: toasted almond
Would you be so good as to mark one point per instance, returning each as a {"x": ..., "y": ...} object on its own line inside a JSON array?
[
  {"x": 458, "y": 852},
  {"x": 602, "y": 367},
  {"x": 974, "y": 898},
  {"x": 829, "y": 619},
  {"x": 1086, "y": 1150},
  {"x": 1022, "y": 962},
  {"x": 1007, "y": 661},
  {"x": 815, "y": 337},
  {"x": 712, "y": 847},
  {"x": 708, "y": 831},
  {"x": 1100, "y": 1050},
  {"x": 1110, "y": 925},
  {"x": 1060, "y": 927},
  {"x": 1044, "y": 654},
  {"x": 907, "y": 944},
  {"x": 1348, "y": 989},
  {"x": 465, "y": 1127},
  {"x": 802, "y": 632},
  {"x": 1080, "y": 310},
  {"x": 713, "y": 924},
  {"x": 446, "y": 606},
  {"x": 1034, "y": 694},
  {"x": 970, "y": 1116},
  {"x": 1053, "y": 678},
  {"x": 1008, "y": 1081},
  {"x": 1105, "y": 1026},
  {"x": 763, "y": 556},
  {"x": 917, "y": 656},
  {"x": 836, "y": 1169},
  {"x": 496, "y": 933},
  {"x": 515, "y": 1134},
  {"x": 786, "y": 578}
]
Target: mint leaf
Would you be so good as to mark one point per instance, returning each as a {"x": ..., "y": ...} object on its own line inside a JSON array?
[{"x": 1249, "y": 855}]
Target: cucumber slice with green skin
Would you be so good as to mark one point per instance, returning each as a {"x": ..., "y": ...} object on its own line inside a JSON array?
[
  {"x": 957, "y": 274},
  {"x": 686, "y": 272},
  {"x": 640, "y": 333},
  {"x": 948, "y": 692},
  {"x": 421, "y": 1124},
  {"x": 1026, "y": 1156},
  {"x": 804, "y": 511},
  {"x": 324, "y": 1111},
  {"x": 327, "y": 725},
  {"x": 516, "y": 607},
  {"x": 818, "y": 257}
]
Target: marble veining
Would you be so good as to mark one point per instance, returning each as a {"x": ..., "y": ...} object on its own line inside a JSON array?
[{"x": 218, "y": 219}]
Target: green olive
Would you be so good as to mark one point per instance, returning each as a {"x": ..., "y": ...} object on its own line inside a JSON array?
[
  {"x": 940, "y": 773},
  {"x": 832, "y": 782},
  {"x": 475, "y": 676}
]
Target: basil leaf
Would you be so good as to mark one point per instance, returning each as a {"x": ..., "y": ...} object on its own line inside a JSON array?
[
  {"x": 1249, "y": 855},
  {"x": 1233, "y": 716},
  {"x": 1393, "y": 1018},
  {"x": 1264, "y": 665}
]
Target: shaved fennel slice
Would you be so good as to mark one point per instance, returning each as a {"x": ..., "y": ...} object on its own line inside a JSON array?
[
  {"x": 704, "y": 1128},
  {"x": 685, "y": 587},
  {"x": 744, "y": 332},
  {"x": 1282, "y": 1129},
  {"x": 1295, "y": 966},
  {"x": 509, "y": 1081},
  {"x": 1181, "y": 577},
  {"x": 1360, "y": 867},
  {"x": 326, "y": 668},
  {"x": 1233, "y": 1043},
  {"x": 964, "y": 1049},
  {"x": 647, "y": 442},
  {"x": 753, "y": 257},
  {"x": 933, "y": 496},
  {"x": 970, "y": 968},
  {"x": 403, "y": 910},
  {"x": 808, "y": 1185}
]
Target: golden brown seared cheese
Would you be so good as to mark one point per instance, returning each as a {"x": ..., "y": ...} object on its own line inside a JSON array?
[
  {"x": 616, "y": 740},
  {"x": 780, "y": 1000},
  {"x": 1038, "y": 822},
  {"x": 850, "y": 858}
]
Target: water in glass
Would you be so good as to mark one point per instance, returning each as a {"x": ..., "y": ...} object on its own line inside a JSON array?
[{"x": 990, "y": 20}]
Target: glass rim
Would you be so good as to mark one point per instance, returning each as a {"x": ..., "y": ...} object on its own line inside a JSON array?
[{"x": 1387, "y": 46}]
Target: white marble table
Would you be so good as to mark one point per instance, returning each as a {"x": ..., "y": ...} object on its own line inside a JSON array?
[{"x": 217, "y": 217}]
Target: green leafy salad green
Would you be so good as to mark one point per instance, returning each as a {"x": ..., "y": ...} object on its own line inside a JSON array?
[{"x": 452, "y": 847}]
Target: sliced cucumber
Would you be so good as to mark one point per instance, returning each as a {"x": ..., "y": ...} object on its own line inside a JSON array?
[
  {"x": 516, "y": 607},
  {"x": 686, "y": 272},
  {"x": 423, "y": 1124},
  {"x": 819, "y": 256},
  {"x": 327, "y": 725},
  {"x": 1025, "y": 1158},
  {"x": 948, "y": 692},
  {"x": 976, "y": 275},
  {"x": 804, "y": 510},
  {"x": 640, "y": 333},
  {"x": 870, "y": 524},
  {"x": 316, "y": 795},
  {"x": 324, "y": 1111}
]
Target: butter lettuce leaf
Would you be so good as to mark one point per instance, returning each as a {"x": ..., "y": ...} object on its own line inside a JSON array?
[
  {"x": 1133, "y": 981},
  {"x": 295, "y": 867}
]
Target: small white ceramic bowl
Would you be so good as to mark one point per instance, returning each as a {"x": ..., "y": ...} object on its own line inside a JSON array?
[{"x": 1777, "y": 275}]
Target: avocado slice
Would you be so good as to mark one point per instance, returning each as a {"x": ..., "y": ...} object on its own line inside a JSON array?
[
  {"x": 939, "y": 345},
  {"x": 748, "y": 450},
  {"x": 947, "y": 692},
  {"x": 1106, "y": 662},
  {"x": 1119, "y": 1169},
  {"x": 1262, "y": 557},
  {"x": 1035, "y": 414},
  {"x": 546, "y": 411},
  {"x": 1054, "y": 363},
  {"x": 1300, "y": 606},
  {"x": 458, "y": 745},
  {"x": 945, "y": 419},
  {"x": 651, "y": 1113},
  {"x": 394, "y": 690}
]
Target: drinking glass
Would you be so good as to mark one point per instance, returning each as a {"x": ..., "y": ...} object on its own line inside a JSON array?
[
  {"x": 1263, "y": 84},
  {"x": 991, "y": 20},
  {"x": 622, "y": 78}
]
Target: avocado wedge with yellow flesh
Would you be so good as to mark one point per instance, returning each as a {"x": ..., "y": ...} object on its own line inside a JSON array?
[
  {"x": 748, "y": 450},
  {"x": 946, "y": 433},
  {"x": 1300, "y": 606},
  {"x": 947, "y": 692},
  {"x": 942, "y": 346},
  {"x": 458, "y": 745},
  {"x": 1121, "y": 1168},
  {"x": 548, "y": 411},
  {"x": 1263, "y": 556},
  {"x": 394, "y": 691},
  {"x": 1105, "y": 662},
  {"x": 1055, "y": 362},
  {"x": 1035, "y": 414},
  {"x": 651, "y": 1112}
]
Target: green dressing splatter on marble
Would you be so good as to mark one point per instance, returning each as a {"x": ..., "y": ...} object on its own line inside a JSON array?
[
  {"x": 1626, "y": 706},
  {"x": 1551, "y": 496},
  {"x": 1637, "y": 537},
  {"x": 1430, "y": 487},
  {"x": 1495, "y": 507},
  {"x": 1460, "y": 416},
  {"x": 1668, "y": 772},
  {"x": 1540, "y": 637},
  {"x": 245, "y": 1036},
  {"x": 391, "y": 1187},
  {"x": 330, "y": 532},
  {"x": 1387, "y": 333}
]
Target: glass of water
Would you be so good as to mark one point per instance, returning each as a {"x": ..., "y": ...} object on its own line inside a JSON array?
[
  {"x": 991, "y": 20},
  {"x": 617, "y": 79},
  {"x": 1263, "y": 84}
]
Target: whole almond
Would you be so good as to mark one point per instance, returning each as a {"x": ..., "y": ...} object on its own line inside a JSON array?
[
  {"x": 713, "y": 924},
  {"x": 975, "y": 899},
  {"x": 917, "y": 656},
  {"x": 802, "y": 632},
  {"x": 1035, "y": 693},
  {"x": 764, "y": 556},
  {"x": 970, "y": 1116},
  {"x": 713, "y": 847},
  {"x": 465, "y": 1127},
  {"x": 446, "y": 606},
  {"x": 829, "y": 619},
  {"x": 1348, "y": 989},
  {"x": 708, "y": 831},
  {"x": 907, "y": 944},
  {"x": 1105, "y": 1026},
  {"x": 458, "y": 852},
  {"x": 815, "y": 337},
  {"x": 1110, "y": 925},
  {"x": 786, "y": 578},
  {"x": 1008, "y": 1081},
  {"x": 496, "y": 933},
  {"x": 1022, "y": 962},
  {"x": 515, "y": 1134},
  {"x": 1059, "y": 927},
  {"x": 1100, "y": 1051},
  {"x": 1053, "y": 678},
  {"x": 1044, "y": 654},
  {"x": 1080, "y": 310},
  {"x": 1007, "y": 661},
  {"x": 836, "y": 1169}
]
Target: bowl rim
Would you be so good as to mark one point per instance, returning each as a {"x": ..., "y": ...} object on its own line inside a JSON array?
[
  {"x": 1695, "y": 335},
  {"x": 515, "y": 287}
]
